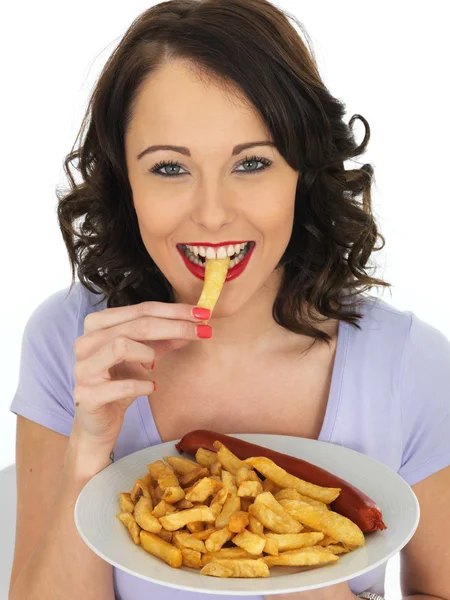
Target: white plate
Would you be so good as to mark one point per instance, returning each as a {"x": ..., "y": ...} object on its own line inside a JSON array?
[{"x": 98, "y": 505}]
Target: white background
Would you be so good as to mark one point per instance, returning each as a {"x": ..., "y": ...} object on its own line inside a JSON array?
[{"x": 386, "y": 61}]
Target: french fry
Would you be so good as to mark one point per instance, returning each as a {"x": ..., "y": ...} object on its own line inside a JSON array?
[
  {"x": 181, "y": 465},
  {"x": 305, "y": 557},
  {"x": 294, "y": 541},
  {"x": 196, "y": 526},
  {"x": 272, "y": 521},
  {"x": 218, "y": 501},
  {"x": 250, "y": 489},
  {"x": 217, "y": 539},
  {"x": 336, "y": 549},
  {"x": 162, "y": 509},
  {"x": 161, "y": 549},
  {"x": 204, "y": 534},
  {"x": 289, "y": 494},
  {"x": 191, "y": 558},
  {"x": 252, "y": 543},
  {"x": 267, "y": 499},
  {"x": 178, "y": 520},
  {"x": 167, "y": 481},
  {"x": 130, "y": 522},
  {"x": 215, "y": 274},
  {"x": 183, "y": 504},
  {"x": 245, "y": 473},
  {"x": 329, "y": 522},
  {"x": 205, "y": 458},
  {"x": 227, "y": 553},
  {"x": 238, "y": 521},
  {"x": 246, "y": 503},
  {"x": 229, "y": 461},
  {"x": 255, "y": 526},
  {"x": 126, "y": 503},
  {"x": 188, "y": 479},
  {"x": 283, "y": 479},
  {"x": 271, "y": 546},
  {"x": 182, "y": 539},
  {"x": 269, "y": 486},
  {"x": 231, "y": 505},
  {"x": 203, "y": 489},
  {"x": 140, "y": 488},
  {"x": 215, "y": 468},
  {"x": 165, "y": 535},
  {"x": 237, "y": 567},
  {"x": 144, "y": 517}
]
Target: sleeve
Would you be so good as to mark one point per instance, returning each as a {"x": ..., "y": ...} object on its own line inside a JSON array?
[
  {"x": 425, "y": 401},
  {"x": 45, "y": 388}
]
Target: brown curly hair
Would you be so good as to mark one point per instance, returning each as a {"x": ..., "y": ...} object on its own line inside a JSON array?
[{"x": 250, "y": 44}]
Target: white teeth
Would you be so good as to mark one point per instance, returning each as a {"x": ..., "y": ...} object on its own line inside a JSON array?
[
  {"x": 222, "y": 252},
  {"x": 237, "y": 248},
  {"x": 202, "y": 251},
  {"x": 195, "y": 250},
  {"x": 230, "y": 250},
  {"x": 232, "y": 263},
  {"x": 210, "y": 253}
]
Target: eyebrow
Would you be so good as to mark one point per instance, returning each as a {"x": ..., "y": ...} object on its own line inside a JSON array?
[{"x": 183, "y": 150}]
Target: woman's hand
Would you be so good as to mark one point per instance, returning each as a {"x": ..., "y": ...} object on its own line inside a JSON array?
[
  {"x": 114, "y": 361},
  {"x": 341, "y": 591}
]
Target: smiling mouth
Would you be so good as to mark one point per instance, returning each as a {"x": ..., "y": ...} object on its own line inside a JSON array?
[{"x": 199, "y": 254}]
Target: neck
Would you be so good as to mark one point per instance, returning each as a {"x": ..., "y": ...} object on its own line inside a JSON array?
[{"x": 250, "y": 331}]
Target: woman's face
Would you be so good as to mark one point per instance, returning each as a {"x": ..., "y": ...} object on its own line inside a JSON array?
[{"x": 209, "y": 194}]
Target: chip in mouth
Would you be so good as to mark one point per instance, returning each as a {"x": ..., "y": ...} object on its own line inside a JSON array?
[{"x": 215, "y": 274}]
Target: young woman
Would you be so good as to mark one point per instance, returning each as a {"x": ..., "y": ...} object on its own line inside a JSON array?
[{"x": 210, "y": 126}]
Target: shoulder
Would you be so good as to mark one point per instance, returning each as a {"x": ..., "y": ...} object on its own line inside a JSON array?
[{"x": 62, "y": 313}]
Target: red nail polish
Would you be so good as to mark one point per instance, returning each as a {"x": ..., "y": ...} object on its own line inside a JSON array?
[
  {"x": 203, "y": 314},
  {"x": 154, "y": 386},
  {"x": 204, "y": 331}
]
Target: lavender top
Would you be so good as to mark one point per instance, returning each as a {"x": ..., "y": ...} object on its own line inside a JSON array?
[{"x": 389, "y": 399}]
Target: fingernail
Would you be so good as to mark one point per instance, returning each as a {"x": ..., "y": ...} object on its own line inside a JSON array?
[
  {"x": 204, "y": 331},
  {"x": 203, "y": 314}
]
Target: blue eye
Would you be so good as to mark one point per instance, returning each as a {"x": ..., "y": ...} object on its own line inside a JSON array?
[{"x": 174, "y": 164}]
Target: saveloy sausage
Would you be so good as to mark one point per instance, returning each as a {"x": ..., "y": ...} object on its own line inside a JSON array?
[{"x": 351, "y": 502}]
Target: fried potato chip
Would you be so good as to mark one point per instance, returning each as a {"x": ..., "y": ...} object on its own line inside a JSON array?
[
  {"x": 271, "y": 546},
  {"x": 125, "y": 502},
  {"x": 268, "y": 500},
  {"x": 178, "y": 520},
  {"x": 216, "y": 469},
  {"x": 203, "y": 489},
  {"x": 238, "y": 521},
  {"x": 336, "y": 549},
  {"x": 217, "y": 539},
  {"x": 161, "y": 549},
  {"x": 215, "y": 274},
  {"x": 236, "y": 567},
  {"x": 255, "y": 526},
  {"x": 183, "y": 504},
  {"x": 130, "y": 522},
  {"x": 305, "y": 557},
  {"x": 140, "y": 488},
  {"x": 269, "y": 486},
  {"x": 144, "y": 517},
  {"x": 191, "y": 558},
  {"x": 283, "y": 479},
  {"x": 205, "y": 457},
  {"x": 204, "y": 534},
  {"x": 329, "y": 522},
  {"x": 171, "y": 490},
  {"x": 252, "y": 543},
  {"x": 294, "y": 541}
]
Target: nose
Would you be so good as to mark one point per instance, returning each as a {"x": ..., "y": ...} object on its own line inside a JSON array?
[{"x": 213, "y": 207}]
